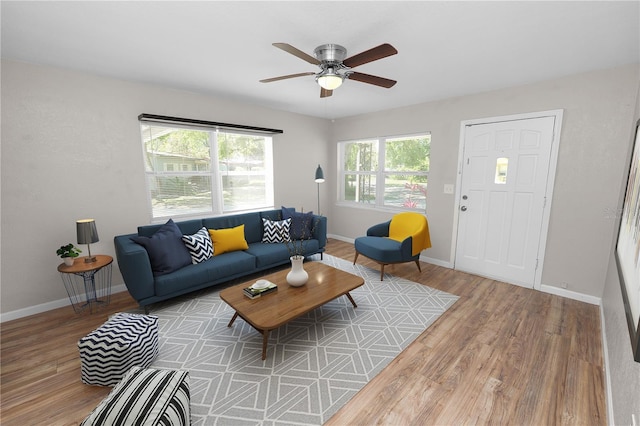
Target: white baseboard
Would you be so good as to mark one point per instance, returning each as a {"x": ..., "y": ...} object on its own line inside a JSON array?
[
  {"x": 607, "y": 370},
  {"x": 44, "y": 307},
  {"x": 341, "y": 238},
  {"x": 570, "y": 294},
  {"x": 436, "y": 262}
]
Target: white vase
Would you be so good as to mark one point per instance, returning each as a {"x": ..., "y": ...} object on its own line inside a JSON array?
[
  {"x": 68, "y": 261},
  {"x": 297, "y": 276}
]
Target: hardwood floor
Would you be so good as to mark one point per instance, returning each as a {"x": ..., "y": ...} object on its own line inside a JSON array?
[{"x": 501, "y": 355}]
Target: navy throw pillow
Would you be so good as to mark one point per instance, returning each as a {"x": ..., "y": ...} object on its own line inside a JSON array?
[
  {"x": 301, "y": 223},
  {"x": 166, "y": 250}
]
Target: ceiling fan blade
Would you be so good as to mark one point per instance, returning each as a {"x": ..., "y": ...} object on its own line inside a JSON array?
[
  {"x": 297, "y": 52},
  {"x": 324, "y": 93},
  {"x": 370, "y": 55},
  {"x": 284, "y": 77},
  {"x": 372, "y": 79}
]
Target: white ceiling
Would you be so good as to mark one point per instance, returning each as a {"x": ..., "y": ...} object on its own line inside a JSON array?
[{"x": 446, "y": 49}]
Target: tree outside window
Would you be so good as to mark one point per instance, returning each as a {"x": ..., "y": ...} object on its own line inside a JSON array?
[
  {"x": 191, "y": 172},
  {"x": 387, "y": 172}
]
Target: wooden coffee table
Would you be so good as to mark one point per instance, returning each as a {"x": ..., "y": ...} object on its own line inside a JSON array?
[{"x": 277, "y": 308}]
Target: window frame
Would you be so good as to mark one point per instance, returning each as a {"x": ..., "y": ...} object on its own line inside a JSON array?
[
  {"x": 379, "y": 174},
  {"x": 214, "y": 174}
]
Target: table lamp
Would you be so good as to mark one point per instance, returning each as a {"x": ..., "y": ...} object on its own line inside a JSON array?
[{"x": 87, "y": 234}]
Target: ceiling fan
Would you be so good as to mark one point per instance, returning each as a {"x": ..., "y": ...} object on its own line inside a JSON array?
[{"x": 334, "y": 68}]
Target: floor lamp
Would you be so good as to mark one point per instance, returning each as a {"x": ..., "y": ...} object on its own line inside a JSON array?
[{"x": 319, "y": 180}]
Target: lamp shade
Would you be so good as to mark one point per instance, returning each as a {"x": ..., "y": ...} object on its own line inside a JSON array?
[
  {"x": 319, "y": 175},
  {"x": 330, "y": 81},
  {"x": 87, "y": 231}
]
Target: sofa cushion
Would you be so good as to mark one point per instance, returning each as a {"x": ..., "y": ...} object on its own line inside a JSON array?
[
  {"x": 167, "y": 252},
  {"x": 276, "y": 231},
  {"x": 301, "y": 223},
  {"x": 216, "y": 269},
  {"x": 199, "y": 245},
  {"x": 146, "y": 396},
  {"x": 382, "y": 249},
  {"x": 269, "y": 254},
  {"x": 230, "y": 264},
  {"x": 229, "y": 239},
  {"x": 189, "y": 276}
]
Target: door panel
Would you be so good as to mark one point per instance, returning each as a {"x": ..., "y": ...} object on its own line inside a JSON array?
[
  {"x": 495, "y": 214},
  {"x": 504, "y": 178}
]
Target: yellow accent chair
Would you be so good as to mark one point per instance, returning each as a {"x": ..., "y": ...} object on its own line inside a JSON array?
[{"x": 398, "y": 240}]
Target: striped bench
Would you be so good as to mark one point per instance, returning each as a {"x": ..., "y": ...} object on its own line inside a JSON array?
[
  {"x": 124, "y": 341},
  {"x": 145, "y": 397}
]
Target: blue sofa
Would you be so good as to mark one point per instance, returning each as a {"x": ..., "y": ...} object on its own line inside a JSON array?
[{"x": 147, "y": 288}]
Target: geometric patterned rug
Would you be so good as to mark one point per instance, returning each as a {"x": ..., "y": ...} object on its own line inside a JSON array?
[{"x": 314, "y": 364}]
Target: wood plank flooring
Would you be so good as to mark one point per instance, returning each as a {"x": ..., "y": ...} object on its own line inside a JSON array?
[{"x": 501, "y": 355}]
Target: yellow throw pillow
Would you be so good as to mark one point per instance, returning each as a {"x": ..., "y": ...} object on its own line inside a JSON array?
[{"x": 229, "y": 239}]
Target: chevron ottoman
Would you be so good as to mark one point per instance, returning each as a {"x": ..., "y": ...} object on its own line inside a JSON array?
[{"x": 124, "y": 341}]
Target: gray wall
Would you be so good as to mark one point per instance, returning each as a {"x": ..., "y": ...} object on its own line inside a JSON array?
[
  {"x": 624, "y": 373},
  {"x": 71, "y": 149},
  {"x": 598, "y": 108}
]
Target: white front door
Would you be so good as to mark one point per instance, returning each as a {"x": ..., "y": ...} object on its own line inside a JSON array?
[{"x": 503, "y": 197}]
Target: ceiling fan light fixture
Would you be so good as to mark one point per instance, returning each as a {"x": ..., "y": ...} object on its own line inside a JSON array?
[
  {"x": 335, "y": 67},
  {"x": 330, "y": 80}
]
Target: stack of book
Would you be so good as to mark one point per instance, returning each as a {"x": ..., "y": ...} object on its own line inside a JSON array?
[{"x": 261, "y": 287}]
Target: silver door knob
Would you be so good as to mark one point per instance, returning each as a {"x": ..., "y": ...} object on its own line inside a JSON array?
[{"x": 463, "y": 208}]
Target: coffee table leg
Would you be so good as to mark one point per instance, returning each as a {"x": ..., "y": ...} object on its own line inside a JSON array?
[
  {"x": 353, "y": 302},
  {"x": 265, "y": 339},
  {"x": 232, "y": 319}
]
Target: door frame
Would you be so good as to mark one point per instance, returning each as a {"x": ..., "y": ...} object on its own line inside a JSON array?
[{"x": 553, "y": 162}]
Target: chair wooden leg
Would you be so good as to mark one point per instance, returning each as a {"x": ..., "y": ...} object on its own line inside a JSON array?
[
  {"x": 418, "y": 263},
  {"x": 355, "y": 258}
]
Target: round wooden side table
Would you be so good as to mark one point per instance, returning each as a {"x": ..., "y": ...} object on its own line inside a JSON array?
[{"x": 88, "y": 284}]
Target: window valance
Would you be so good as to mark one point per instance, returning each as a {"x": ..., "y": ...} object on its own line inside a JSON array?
[{"x": 162, "y": 119}]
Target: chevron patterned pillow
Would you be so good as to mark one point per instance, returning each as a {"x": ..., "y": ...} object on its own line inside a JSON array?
[
  {"x": 276, "y": 231},
  {"x": 199, "y": 245}
]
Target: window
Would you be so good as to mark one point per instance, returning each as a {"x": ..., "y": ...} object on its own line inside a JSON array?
[
  {"x": 386, "y": 172},
  {"x": 502, "y": 164},
  {"x": 193, "y": 171}
]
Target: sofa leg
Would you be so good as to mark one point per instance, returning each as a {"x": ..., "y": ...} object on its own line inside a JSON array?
[
  {"x": 418, "y": 264},
  {"x": 381, "y": 271},
  {"x": 355, "y": 258}
]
